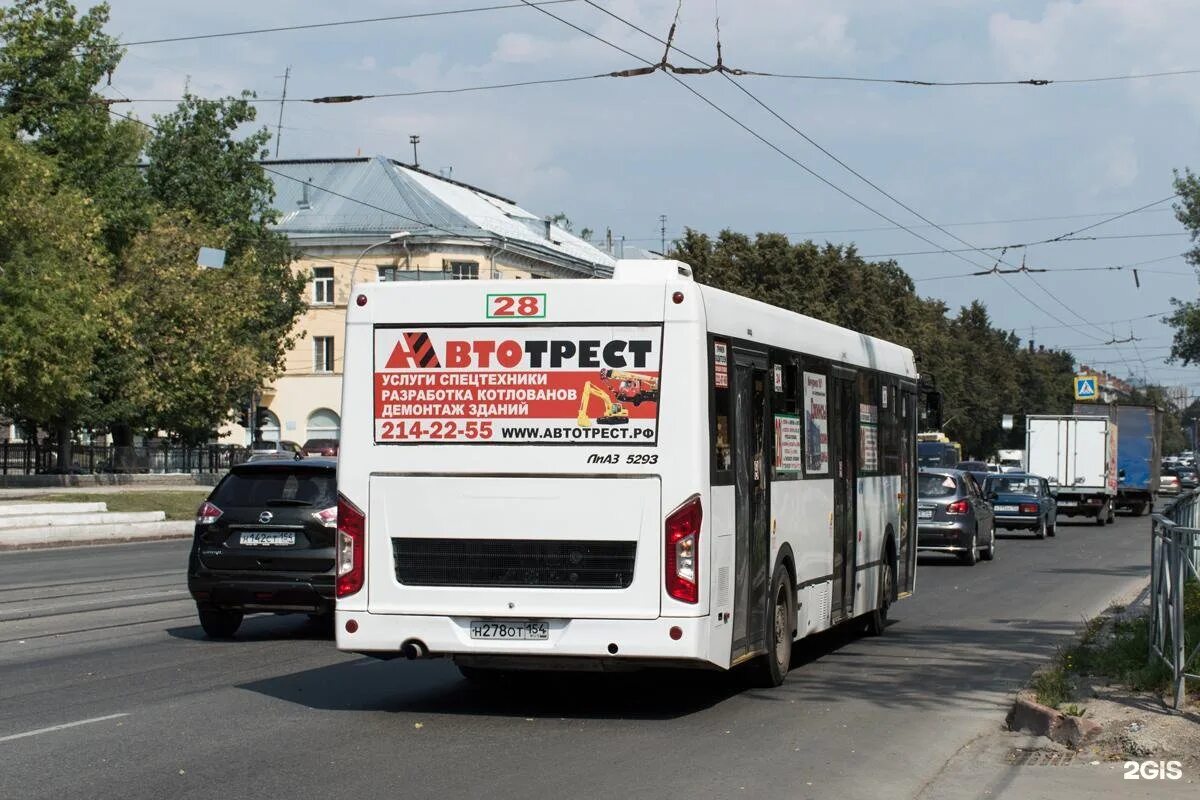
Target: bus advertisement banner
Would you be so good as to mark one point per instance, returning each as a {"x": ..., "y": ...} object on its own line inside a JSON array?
[
  {"x": 517, "y": 384},
  {"x": 816, "y": 424}
]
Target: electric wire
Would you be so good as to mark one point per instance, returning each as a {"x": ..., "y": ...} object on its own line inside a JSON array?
[{"x": 803, "y": 135}]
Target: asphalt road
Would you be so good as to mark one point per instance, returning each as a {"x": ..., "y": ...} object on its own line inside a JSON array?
[{"x": 92, "y": 633}]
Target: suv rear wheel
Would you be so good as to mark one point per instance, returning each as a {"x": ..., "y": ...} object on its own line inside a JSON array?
[{"x": 219, "y": 623}]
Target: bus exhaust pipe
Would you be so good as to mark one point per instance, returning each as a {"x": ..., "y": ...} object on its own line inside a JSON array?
[{"x": 413, "y": 649}]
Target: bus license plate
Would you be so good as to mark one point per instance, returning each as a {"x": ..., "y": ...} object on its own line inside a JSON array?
[
  {"x": 493, "y": 629},
  {"x": 266, "y": 539}
]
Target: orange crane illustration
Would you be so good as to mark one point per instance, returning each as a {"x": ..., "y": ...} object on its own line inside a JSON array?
[{"x": 631, "y": 387}]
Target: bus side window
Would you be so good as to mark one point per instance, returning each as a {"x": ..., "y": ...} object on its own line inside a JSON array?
[
  {"x": 719, "y": 416},
  {"x": 789, "y": 430}
]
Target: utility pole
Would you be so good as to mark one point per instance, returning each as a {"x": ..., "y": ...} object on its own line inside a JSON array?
[
  {"x": 287, "y": 73},
  {"x": 662, "y": 229},
  {"x": 415, "y": 139}
]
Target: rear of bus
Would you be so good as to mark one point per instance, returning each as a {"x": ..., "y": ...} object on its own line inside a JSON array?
[{"x": 522, "y": 473}]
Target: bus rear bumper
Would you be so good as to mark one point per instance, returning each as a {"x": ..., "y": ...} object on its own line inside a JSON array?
[{"x": 579, "y": 638}]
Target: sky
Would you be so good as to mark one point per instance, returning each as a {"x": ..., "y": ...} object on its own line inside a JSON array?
[{"x": 992, "y": 165}]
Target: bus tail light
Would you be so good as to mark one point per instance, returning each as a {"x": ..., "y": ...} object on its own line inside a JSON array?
[
  {"x": 958, "y": 507},
  {"x": 683, "y": 550},
  {"x": 351, "y": 542}
]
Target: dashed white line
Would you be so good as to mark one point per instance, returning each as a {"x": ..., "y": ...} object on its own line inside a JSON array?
[{"x": 64, "y": 726}]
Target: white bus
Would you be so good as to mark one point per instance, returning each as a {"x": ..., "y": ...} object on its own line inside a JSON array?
[{"x": 599, "y": 474}]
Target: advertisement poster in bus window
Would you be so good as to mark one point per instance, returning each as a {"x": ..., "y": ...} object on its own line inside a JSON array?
[
  {"x": 588, "y": 385},
  {"x": 868, "y": 437},
  {"x": 789, "y": 438},
  {"x": 816, "y": 424},
  {"x": 720, "y": 365}
]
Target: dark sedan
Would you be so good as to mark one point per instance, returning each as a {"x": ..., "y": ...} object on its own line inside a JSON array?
[
  {"x": 953, "y": 517},
  {"x": 264, "y": 543},
  {"x": 1022, "y": 502}
]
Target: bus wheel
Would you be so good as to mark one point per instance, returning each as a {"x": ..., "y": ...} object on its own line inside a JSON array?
[
  {"x": 877, "y": 619},
  {"x": 772, "y": 667}
]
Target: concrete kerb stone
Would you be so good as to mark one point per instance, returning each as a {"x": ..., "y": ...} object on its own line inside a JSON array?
[{"x": 1030, "y": 716}]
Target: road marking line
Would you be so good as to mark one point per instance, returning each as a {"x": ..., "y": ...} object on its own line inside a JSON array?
[{"x": 65, "y": 725}]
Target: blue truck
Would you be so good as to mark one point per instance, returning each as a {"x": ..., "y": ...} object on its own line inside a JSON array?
[{"x": 1139, "y": 451}]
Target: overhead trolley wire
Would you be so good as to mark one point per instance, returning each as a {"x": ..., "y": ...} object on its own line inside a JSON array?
[
  {"x": 719, "y": 67},
  {"x": 333, "y": 24}
]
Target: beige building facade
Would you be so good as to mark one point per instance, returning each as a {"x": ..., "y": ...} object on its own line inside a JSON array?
[{"x": 403, "y": 224}]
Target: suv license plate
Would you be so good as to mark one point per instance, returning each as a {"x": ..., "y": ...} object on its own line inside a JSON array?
[
  {"x": 265, "y": 539},
  {"x": 493, "y": 629}
]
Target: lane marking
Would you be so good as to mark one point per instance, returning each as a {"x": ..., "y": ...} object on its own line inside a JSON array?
[{"x": 64, "y": 726}]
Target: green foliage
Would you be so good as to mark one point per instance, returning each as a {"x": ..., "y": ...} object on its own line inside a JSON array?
[
  {"x": 1185, "y": 318},
  {"x": 53, "y": 290},
  {"x": 833, "y": 283},
  {"x": 107, "y": 319},
  {"x": 1052, "y": 685},
  {"x": 50, "y": 63}
]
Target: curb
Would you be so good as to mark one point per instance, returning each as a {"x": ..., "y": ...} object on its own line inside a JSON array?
[
  {"x": 1030, "y": 716},
  {"x": 64, "y": 543}
]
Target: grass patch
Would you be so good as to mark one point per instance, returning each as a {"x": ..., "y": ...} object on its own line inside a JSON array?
[
  {"x": 1053, "y": 685},
  {"x": 1119, "y": 653},
  {"x": 177, "y": 505}
]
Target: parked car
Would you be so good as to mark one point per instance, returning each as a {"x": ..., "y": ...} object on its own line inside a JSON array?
[
  {"x": 264, "y": 542},
  {"x": 1168, "y": 483},
  {"x": 261, "y": 450},
  {"x": 953, "y": 517},
  {"x": 320, "y": 447},
  {"x": 1022, "y": 502},
  {"x": 1188, "y": 478}
]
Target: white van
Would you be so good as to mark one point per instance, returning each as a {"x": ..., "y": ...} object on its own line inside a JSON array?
[{"x": 607, "y": 473}]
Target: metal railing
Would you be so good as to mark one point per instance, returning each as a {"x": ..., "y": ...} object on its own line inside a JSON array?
[
  {"x": 27, "y": 458},
  {"x": 1174, "y": 561}
]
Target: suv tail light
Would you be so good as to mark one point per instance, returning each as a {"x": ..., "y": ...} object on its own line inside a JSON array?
[
  {"x": 1029, "y": 508},
  {"x": 351, "y": 542},
  {"x": 207, "y": 514},
  {"x": 683, "y": 550},
  {"x": 327, "y": 516},
  {"x": 958, "y": 507}
]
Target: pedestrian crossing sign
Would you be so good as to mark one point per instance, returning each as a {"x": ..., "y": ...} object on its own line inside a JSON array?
[{"x": 1085, "y": 387}]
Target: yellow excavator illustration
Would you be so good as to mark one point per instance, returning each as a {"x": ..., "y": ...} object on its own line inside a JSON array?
[{"x": 614, "y": 413}]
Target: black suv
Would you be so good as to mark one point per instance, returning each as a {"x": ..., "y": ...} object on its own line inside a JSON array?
[{"x": 264, "y": 542}]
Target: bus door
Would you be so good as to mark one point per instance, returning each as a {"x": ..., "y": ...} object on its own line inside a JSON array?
[
  {"x": 752, "y": 508},
  {"x": 843, "y": 405}
]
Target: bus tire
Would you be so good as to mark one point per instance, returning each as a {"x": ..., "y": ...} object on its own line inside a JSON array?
[
  {"x": 772, "y": 667},
  {"x": 877, "y": 618}
]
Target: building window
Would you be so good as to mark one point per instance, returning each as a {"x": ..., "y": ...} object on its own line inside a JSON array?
[
  {"x": 388, "y": 273},
  {"x": 322, "y": 354},
  {"x": 461, "y": 270},
  {"x": 322, "y": 286},
  {"x": 324, "y": 423}
]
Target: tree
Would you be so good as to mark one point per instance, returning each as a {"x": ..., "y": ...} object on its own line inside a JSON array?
[
  {"x": 1185, "y": 319},
  {"x": 833, "y": 283},
  {"x": 202, "y": 185},
  {"x": 198, "y": 367},
  {"x": 50, "y": 64},
  {"x": 54, "y": 293}
]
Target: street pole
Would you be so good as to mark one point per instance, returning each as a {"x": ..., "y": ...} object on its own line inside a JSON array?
[
  {"x": 392, "y": 239},
  {"x": 415, "y": 139},
  {"x": 662, "y": 222}
]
